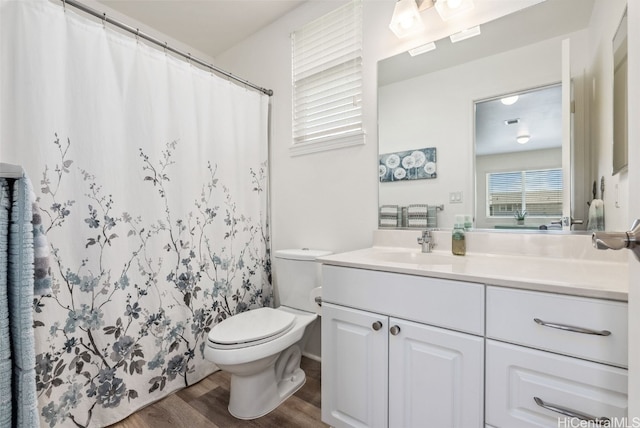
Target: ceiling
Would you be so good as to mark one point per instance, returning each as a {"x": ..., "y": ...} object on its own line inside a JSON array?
[
  {"x": 536, "y": 113},
  {"x": 546, "y": 20},
  {"x": 210, "y": 26}
]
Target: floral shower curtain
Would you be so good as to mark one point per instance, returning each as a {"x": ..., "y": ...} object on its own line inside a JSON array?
[{"x": 151, "y": 177}]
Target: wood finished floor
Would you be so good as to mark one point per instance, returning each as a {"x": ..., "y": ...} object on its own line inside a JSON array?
[{"x": 204, "y": 405}]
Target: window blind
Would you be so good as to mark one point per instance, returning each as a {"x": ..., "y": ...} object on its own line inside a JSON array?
[
  {"x": 539, "y": 192},
  {"x": 327, "y": 79}
]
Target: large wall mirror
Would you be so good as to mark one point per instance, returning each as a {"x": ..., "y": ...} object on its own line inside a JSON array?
[{"x": 448, "y": 104}]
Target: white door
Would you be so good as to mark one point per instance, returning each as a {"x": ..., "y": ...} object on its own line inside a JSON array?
[
  {"x": 566, "y": 135},
  {"x": 633, "y": 47},
  {"x": 354, "y": 367},
  {"x": 435, "y": 377}
]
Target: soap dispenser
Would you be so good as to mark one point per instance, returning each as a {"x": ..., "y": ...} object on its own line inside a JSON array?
[{"x": 458, "y": 242}]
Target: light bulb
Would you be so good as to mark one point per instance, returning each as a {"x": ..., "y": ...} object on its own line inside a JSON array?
[
  {"x": 454, "y": 4},
  {"x": 407, "y": 22},
  {"x": 509, "y": 100}
]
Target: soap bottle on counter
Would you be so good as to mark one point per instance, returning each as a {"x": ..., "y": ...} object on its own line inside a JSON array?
[{"x": 458, "y": 242}]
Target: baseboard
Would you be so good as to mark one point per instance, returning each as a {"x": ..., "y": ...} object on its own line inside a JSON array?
[{"x": 312, "y": 357}]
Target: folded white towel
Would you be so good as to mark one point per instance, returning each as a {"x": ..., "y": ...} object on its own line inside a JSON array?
[
  {"x": 388, "y": 210},
  {"x": 417, "y": 222},
  {"x": 596, "y": 215},
  {"x": 417, "y": 209}
]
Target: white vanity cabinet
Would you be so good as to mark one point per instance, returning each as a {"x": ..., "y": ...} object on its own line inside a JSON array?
[
  {"x": 550, "y": 357},
  {"x": 401, "y": 350}
]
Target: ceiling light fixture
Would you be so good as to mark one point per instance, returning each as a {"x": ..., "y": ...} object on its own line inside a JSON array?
[
  {"x": 465, "y": 34},
  {"x": 523, "y": 139},
  {"x": 448, "y": 9},
  {"x": 406, "y": 19},
  {"x": 509, "y": 100},
  {"x": 422, "y": 49}
]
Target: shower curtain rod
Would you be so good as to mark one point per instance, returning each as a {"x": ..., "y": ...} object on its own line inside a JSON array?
[{"x": 138, "y": 33}]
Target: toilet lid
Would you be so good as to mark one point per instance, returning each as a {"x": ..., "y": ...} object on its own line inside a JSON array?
[{"x": 251, "y": 326}]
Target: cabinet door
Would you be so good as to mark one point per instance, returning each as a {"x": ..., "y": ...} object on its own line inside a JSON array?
[
  {"x": 435, "y": 377},
  {"x": 354, "y": 367}
]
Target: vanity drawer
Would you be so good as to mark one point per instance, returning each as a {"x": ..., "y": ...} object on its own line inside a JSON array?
[
  {"x": 575, "y": 326},
  {"x": 444, "y": 303},
  {"x": 516, "y": 376}
]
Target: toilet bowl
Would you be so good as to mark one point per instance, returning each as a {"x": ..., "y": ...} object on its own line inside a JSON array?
[{"x": 262, "y": 348}]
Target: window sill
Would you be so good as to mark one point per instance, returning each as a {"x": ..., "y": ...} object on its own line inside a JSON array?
[{"x": 325, "y": 145}]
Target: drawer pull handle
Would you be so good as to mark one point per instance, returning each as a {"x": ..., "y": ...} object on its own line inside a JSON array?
[
  {"x": 570, "y": 413},
  {"x": 376, "y": 325},
  {"x": 573, "y": 328}
]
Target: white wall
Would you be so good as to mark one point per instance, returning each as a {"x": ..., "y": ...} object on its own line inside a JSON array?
[{"x": 604, "y": 22}]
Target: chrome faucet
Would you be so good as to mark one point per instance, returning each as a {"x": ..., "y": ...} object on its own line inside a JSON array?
[{"x": 426, "y": 240}]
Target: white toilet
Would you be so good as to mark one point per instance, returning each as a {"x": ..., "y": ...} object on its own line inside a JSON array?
[{"x": 261, "y": 348}]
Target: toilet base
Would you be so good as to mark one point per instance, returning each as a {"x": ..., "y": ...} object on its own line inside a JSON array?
[{"x": 255, "y": 395}]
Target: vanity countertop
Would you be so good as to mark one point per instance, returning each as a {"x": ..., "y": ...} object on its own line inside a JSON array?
[{"x": 578, "y": 277}]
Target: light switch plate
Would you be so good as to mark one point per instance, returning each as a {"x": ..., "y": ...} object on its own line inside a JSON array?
[{"x": 455, "y": 197}]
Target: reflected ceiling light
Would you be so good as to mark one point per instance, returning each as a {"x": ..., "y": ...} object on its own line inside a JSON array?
[
  {"x": 465, "y": 34},
  {"x": 448, "y": 9},
  {"x": 523, "y": 139},
  {"x": 422, "y": 49},
  {"x": 406, "y": 19},
  {"x": 509, "y": 100}
]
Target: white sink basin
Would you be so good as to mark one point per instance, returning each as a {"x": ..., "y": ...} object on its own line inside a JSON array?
[{"x": 416, "y": 257}]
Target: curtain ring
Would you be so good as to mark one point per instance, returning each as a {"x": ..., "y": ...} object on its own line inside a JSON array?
[
  {"x": 137, "y": 35},
  {"x": 64, "y": 5},
  {"x": 104, "y": 19},
  {"x": 189, "y": 58},
  {"x": 165, "y": 47}
]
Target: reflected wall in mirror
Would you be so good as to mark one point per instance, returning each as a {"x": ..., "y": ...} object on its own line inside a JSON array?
[
  {"x": 428, "y": 100},
  {"x": 518, "y": 160},
  {"x": 620, "y": 140}
]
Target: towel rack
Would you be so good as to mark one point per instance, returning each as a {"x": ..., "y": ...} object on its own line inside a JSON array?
[{"x": 8, "y": 170}]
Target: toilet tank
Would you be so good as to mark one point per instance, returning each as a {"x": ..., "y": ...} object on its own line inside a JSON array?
[{"x": 297, "y": 273}]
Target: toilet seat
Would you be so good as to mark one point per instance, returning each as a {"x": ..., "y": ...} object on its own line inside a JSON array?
[{"x": 250, "y": 328}]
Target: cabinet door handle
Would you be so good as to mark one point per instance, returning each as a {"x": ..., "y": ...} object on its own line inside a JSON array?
[
  {"x": 395, "y": 330},
  {"x": 570, "y": 413},
  {"x": 574, "y": 329},
  {"x": 376, "y": 325}
]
